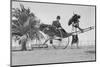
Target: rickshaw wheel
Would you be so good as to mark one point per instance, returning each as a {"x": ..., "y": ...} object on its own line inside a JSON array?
[{"x": 61, "y": 43}]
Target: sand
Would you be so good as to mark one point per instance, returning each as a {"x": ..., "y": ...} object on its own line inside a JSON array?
[{"x": 51, "y": 55}]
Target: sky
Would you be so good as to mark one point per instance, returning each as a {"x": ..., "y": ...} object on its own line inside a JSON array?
[{"x": 48, "y": 12}]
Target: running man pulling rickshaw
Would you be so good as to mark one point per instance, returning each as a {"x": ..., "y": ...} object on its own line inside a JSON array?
[{"x": 74, "y": 21}]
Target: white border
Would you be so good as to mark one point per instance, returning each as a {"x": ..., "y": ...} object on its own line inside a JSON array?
[{"x": 5, "y": 33}]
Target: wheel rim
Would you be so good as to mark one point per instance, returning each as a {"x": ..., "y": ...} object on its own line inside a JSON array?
[{"x": 61, "y": 44}]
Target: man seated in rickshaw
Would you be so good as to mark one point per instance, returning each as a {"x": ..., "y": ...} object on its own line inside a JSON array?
[
  {"x": 58, "y": 28},
  {"x": 57, "y": 25}
]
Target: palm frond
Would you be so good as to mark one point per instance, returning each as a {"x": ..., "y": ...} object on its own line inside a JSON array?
[{"x": 25, "y": 23}]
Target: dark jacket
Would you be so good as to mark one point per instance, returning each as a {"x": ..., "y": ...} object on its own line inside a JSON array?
[{"x": 56, "y": 24}]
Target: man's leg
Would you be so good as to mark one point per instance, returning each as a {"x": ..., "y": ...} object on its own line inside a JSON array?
[
  {"x": 77, "y": 41},
  {"x": 72, "y": 41},
  {"x": 51, "y": 42},
  {"x": 77, "y": 44},
  {"x": 72, "y": 45}
]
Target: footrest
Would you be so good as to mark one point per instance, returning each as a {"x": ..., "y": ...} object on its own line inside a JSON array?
[{"x": 39, "y": 46}]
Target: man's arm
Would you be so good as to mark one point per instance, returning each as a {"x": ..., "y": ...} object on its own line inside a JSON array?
[
  {"x": 59, "y": 25},
  {"x": 53, "y": 24},
  {"x": 79, "y": 27}
]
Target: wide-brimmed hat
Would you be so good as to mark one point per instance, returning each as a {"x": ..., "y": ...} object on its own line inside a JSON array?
[{"x": 76, "y": 16}]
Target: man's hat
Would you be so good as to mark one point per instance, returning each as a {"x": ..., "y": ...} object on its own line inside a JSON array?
[
  {"x": 76, "y": 16},
  {"x": 58, "y": 17}
]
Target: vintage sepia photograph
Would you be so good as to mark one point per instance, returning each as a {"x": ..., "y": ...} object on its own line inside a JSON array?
[{"x": 52, "y": 33}]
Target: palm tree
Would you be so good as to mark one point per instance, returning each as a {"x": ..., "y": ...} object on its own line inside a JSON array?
[{"x": 25, "y": 24}]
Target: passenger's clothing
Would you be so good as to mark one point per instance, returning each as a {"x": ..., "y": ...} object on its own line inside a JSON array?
[
  {"x": 60, "y": 31},
  {"x": 56, "y": 24}
]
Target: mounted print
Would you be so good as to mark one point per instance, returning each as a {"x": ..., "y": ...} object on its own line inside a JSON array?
[{"x": 52, "y": 33}]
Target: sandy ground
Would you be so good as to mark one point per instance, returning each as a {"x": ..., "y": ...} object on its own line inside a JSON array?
[{"x": 51, "y": 55}]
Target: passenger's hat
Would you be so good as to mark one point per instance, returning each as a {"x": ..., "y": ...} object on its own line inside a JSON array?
[{"x": 58, "y": 17}]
